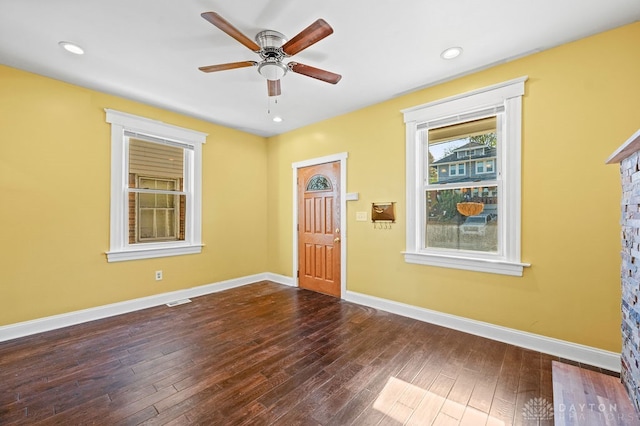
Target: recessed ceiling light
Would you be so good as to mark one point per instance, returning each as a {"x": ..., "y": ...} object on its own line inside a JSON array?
[
  {"x": 277, "y": 119},
  {"x": 71, "y": 47},
  {"x": 450, "y": 53}
]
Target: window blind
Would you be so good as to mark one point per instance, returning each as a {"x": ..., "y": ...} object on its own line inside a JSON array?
[
  {"x": 460, "y": 118},
  {"x": 154, "y": 139},
  {"x": 462, "y": 130}
]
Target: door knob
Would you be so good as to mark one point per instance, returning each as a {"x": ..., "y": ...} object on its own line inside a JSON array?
[{"x": 336, "y": 240}]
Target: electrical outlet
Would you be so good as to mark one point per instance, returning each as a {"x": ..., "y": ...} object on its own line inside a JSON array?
[{"x": 158, "y": 275}]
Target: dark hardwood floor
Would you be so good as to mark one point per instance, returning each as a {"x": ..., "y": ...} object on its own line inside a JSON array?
[{"x": 267, "y": 354}]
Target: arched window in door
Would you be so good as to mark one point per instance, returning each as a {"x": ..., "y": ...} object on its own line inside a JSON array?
[{"x": 319, "y": 183}]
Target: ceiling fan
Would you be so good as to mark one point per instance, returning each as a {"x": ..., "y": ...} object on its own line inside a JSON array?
[{"x": 273, "y": 47}]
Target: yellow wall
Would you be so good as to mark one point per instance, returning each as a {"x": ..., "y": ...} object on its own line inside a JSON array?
[
  {"x": 55, "y": 185},
  {"x": 581, "y": 103}
]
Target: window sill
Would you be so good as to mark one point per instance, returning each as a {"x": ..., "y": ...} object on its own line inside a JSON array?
[
  {"x": 152, "y": 252},
  {"x": 502, "y": 267}
]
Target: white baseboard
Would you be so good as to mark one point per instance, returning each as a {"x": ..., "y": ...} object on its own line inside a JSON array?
[
  {"x": 281, "y": 279},
  {"x": 563, "y": 349},
  {"x": 21, "y": 329},
  {"x": 560, "y": 348}
]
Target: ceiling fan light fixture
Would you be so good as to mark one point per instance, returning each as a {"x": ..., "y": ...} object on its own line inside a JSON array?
[
  {"x": 451, "y": 53},
  {"x": 71, "y": 47},
  {"x": 272, "y": 70}
]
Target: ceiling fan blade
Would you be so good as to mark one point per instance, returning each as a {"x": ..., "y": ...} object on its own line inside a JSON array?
[
  {"x": 232, "y": 31},
  {"x": 229, "y": 66},
  {"x": 310, "y": 35},
  {"x": 273, "y": 86},
  {"x": 317, "y": 73}
]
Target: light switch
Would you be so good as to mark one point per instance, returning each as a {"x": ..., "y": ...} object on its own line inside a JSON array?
[{"x": 361, "y": 216}]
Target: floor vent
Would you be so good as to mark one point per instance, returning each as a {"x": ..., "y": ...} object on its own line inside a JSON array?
[{"x": 178, "y": 302}]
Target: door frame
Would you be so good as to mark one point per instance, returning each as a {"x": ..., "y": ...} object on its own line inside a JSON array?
[{"x": 342, "y": 158}]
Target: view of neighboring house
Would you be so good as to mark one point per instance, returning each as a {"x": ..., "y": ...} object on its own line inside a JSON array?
[{"x": 472, "y": 161}]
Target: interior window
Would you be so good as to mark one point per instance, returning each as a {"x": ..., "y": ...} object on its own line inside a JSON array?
[
  {"x": 463, "y": 180},
  {"x": 156, "y": 195},
  {"x": 460, "y": 214}
]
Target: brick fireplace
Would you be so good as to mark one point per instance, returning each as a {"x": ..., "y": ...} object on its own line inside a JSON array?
[{"x": 628, "y": 156}]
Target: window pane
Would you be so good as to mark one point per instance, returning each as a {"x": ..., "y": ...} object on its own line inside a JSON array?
[
  {"x": 146, "y": 183},
  {"x": 146, "y": 200},
  {"x": 161, "y": 223},
  {"x": 158, "y": 183},
  {"x": 162, "y": 200},
  {"x": 473, "y": 143},
  {"x": 152, "y": 161},
  {"x": 146, "y": 219},
  {"x": 463, "y": 219},
  {"x": 157, "y": 217},
  {"x": 171, "y": 223}
]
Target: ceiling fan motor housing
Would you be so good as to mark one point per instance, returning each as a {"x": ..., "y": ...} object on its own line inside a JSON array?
[
  {"x": 270, "y": 39},
  {"x": 271, "y": 43}
]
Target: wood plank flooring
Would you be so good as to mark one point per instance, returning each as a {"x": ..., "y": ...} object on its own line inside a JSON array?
[
  {"x": 589, "y": 398},
  {"x": 267, "y": 354}
]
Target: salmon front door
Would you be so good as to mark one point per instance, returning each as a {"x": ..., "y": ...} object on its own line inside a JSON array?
[{"x": 319, "y": 228}]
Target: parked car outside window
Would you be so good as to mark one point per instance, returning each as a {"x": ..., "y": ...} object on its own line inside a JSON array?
[{"x": 475, "y": 224}]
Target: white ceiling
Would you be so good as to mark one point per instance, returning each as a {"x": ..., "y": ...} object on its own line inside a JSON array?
[{"x": 149, "y": 50}]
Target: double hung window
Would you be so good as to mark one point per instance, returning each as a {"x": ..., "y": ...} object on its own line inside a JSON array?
[
  {"x": 463, "y": 181},
  {"x": 155, "y": 188}
]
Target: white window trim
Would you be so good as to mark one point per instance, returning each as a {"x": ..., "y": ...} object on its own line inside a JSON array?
[
  {"x": 508, "y": 262},
  {"x": 120, "y": 249}
]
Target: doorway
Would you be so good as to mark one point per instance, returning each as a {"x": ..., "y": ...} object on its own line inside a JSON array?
[{"x": 320, "y": 234}]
